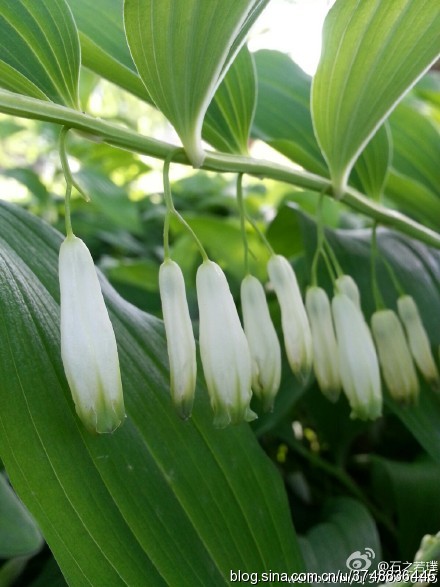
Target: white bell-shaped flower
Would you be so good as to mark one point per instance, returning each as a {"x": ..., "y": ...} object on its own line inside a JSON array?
[
  {"x": 263, "y": 341},
  {"x": 418, "y": 340},
  {"x": 346, "y": 284},
  {"x": 224, "y": 349},
  {"x": 325, "y": 347},
  {"x": 358, "y": 363},
  {"x": 88, "y": 344},
  {"x": 180, "y": 337},
  {"x": 394, "y": 356},
  {"x": 295, "y": 325}
]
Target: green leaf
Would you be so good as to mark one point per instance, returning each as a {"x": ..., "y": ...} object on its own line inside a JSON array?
[
  {"x": 104, "y": 47},
  {"x": 415, "y": 178},
  {"x": 282, "y": 117},
  {"x": 230, "y": 114},
  {"x": 160, "y": 502},
  {"x": 19, "y": 534},
  {"x": 182, "y": 51},
  {"x": 110, "y": 200},
  {"x": 373, "y": 53},
  {"x": 371, "y": 170},
  {"x": 409, "y": 492},
  {"x": 348, "y": 527},
  {"x": 39, "y": 50}
]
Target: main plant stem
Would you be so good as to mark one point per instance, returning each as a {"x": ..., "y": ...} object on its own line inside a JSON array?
[{"x": 97, "y": 129}]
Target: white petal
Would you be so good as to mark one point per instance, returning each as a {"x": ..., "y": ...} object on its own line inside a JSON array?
[
  {"x": 394, "y": 356},
  {"x": 325, "y": 348},
  {"x": 223, "y": 347},
  {"x": 418, "y": 339},
  {"x": 180, "y": 337},
  {"x": 88, "y": 344},
  {"x": 295, "y": 325},
  {"x": 346, "y": 284},
  {"x": 358, "y": 364},
  {"x": 263, "y": 341}
]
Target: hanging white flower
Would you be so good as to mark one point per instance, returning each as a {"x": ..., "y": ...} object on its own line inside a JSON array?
[
  {"x": 88, "y": 344},
  {"x": 325, "y": 348},
  {"x": 394, "y": 356},
  {"x": 358, "y": 363},
  {"x": 263, "y": 341},
  {"x": 180, "y": 337},
  {"x": 223, "y": 348},
  {"x": 346, "y": 284},
  {"x": 418, "y": 340},
  {"x": 295, "y": 325}
]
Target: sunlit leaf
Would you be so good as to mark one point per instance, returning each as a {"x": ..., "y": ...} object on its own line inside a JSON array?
[
  {"x": 230, "y": 114},
  {"x": 39, "y": 50},
  {"x": 160, "y": 502},
  {"x": 373, "y": 53},
  {"x": 371, "y": 170},
  {"x": 182, "y": 51}
]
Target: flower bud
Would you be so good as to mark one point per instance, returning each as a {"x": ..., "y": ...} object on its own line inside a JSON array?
[
  {"x": 88, "y": 344},
  {"x": 394, "y": 356},
  {"x": 295, "y": 325},
  {"x": 418, "y": 340},
  {"x": 347, "y": 285},
  {"x": 180, "y": 337},
  {"x": 325, "y": 348},
  {"x": 263, "y": 341},
  {"x": 358, "y": 364},
  {"x": 223, "y": 348}
]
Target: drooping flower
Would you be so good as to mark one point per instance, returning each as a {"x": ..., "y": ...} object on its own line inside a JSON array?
[
  {"x": 394, "y": 356},
  {"x": 346, "y": 284},
  {"x": 418, "y": 340},
  {"x": 295, "y": 325},
  {"x": 358, "y": 364},
  {"x": 180, "y": 337},
  {"x": 263, "y": 341},
  {"x": 325, "y": 348},
  {"x": 224, "y": 349},
  {"x": 88, "y": 343}
]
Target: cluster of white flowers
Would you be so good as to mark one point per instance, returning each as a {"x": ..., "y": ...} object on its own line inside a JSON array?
[{"x": 333, "y": 338}]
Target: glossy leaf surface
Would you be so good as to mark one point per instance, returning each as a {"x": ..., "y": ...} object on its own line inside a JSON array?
[{"x": 160, "y": 501}]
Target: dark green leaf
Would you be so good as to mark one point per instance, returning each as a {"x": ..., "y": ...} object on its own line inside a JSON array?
[
  {"x": 410, "y": 492},
  {"x": 348, "y": 527},
  {"x": 19, "y": 534},
  {"x": 282, "y": 117}
]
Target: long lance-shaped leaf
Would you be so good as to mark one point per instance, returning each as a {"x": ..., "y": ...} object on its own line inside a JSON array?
[
  {"x": 182, "y": 51},
  {"x": 373, "y": 53},
  {"x": 159, "y": 502},
  {"x": 39, "y": 50}
]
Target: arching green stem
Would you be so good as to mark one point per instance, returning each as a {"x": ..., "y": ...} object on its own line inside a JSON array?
[{"x": 171, "y": 210}]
